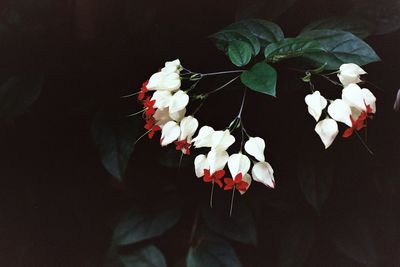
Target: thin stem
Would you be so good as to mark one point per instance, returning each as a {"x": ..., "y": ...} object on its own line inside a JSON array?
[
  {"x": 221, "y": 72},
  {"x": 143, "y": 135},
  {"x": 126, "y": 96},
  {"x": 136, "y": 113},
  {"x": 180, "y": 161},
  {"x": 374, "y": 85},
  {"x": 221, "y": 87},
  {"x": 212, "y": 194},
  {"x": 198, "y": 108},
  {"x": 233, "y": 196},
  {"x": 329, "y": 79},
  {"x": 192, "y": 86},
  {"x": 364, "y": 144},
  {"x": 242, "y": 105}
]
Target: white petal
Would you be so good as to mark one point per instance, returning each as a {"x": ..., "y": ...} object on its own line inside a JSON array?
[
  {"x": 340, "y": 111},
  {"x": 172, "y": 66},
  {"x": 369, "y": 99},
  {"x": 188, "y": 126},
  {"x": 327, "y": 130},
  {"x": 162, "y": 98},
  {"x": 353, "y": 96},
  {"x": 178, "y": 116},
  {"x": 204, "y": 137},
  {"x": 162, "y": 116},
  {"x": 255, "y": 146},
  {"x": 246, "y": 178},
  {"x": 238, "y": 163},
  {"x": 170, "y": 132},
  {"x": 262, "y": 172},
  {"x": 164, "y": 81},
  {"x": 222, "y": 140},
  {"x": 217, "y": 160},
  {"x": 200, "y": 163},
  {"x": 179, "y": 101},
  {"x": 316, "y": 103},
  {"x": 350, "y": 73}
]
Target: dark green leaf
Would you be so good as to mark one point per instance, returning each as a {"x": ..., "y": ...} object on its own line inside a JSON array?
[
  {"x": 224, "y": 37},
  {"x": 356, "y": 25},
  {"x": 342, "y": 47},
  {"x": 315, "y": 173},
  {"x": 239, "y": 227},
  {"x": 297, "y": 237},
  {"x": 291, "y": 47},
  {"x": 18, "y": 92},
  {"x": 260, "y": 78},
  {"x": 149, "y": 256},
  {"x": 239, "y": 53},
  {"x": 139, "y": 225},
  {"x": 265, "y": 31},
  {"x": 211, "y": 251},
  {"x": 115, "y": 136}
]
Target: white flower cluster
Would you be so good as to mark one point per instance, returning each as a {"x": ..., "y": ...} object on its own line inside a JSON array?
[
  {"x": 355, "y": 105},
  {"x": 165, "y": 111}
]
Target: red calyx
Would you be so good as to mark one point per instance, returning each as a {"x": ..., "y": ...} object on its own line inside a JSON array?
[
  {"x": 143, "y": 91},
  {"x": 184, "y": 146},
  {"x": 237, "y": 183},
  {"x": 216, "y": 177}
]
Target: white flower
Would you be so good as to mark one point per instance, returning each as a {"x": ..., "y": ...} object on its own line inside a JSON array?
[
  {"x": 214, "y": 161},
  {"x": 162, "y": 98},
  {"x": 340, "y": 111},
  {"x": 217, "y": 160},
  {"x": 316, "y": 103},
  {"x": 262, "y": 172},
  {"x": 369, "y": 99},
  {"x": 178, "y": 101},
  {"x": 353, "y": 96},
  {"x": 327, "y": 130},
  {"x": 172, "y": 66},
  {"x": 170, "y": 132},
  {"x": 238, "y": 163},
  {"x": 162, "y": 117},
  {"x": 221, "y": 140},
  {"x": 204, "y": 137},
  {"x": 246, "y": 178},
  {"x": 177, "y": 116},
  {"x": 350, "y": 73},
  {"x": 188, "y": 126},
  {"x": 169, "y": 81},
  {"x": 255, "y": 146},
  {"x": 201, "y": 164}
]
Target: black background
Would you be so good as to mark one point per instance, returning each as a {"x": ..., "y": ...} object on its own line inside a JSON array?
[{"x": 57, "y": 202}]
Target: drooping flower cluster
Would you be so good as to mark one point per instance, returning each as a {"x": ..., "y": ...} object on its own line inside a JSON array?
[
  {"x": 352, "y": 109},
  {"x": 165, "y": 111}
]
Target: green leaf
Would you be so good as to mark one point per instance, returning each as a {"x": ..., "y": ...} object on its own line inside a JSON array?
[
  {"x": 315, "y": 173},
  {"x": 149, "y": 256},
  {"x": 211, "y": 251},
  {"x": 138, "y": 225},
  {"x": 341, "y": 47},
  {"x": 239, "y": 227},
  {"x": 18, "y": 92},
  {"x": 224, "y": 37},
  {"x": 115, "y": 136},
  {"x": 291, "y": 47},
  {"x": 239, "y": 53},
  {"x": 265, "y": 31},
  {"x": 360, "y": 27},
  {"x": 260, "y": 78}
]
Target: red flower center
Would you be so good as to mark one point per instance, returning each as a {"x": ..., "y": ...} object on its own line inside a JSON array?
[
  {"x": 183, "y": 146},
  {"x": 216, "y": 177},
  {"x": 237, "y": 183},
  {"x": 143, "y": 91}
]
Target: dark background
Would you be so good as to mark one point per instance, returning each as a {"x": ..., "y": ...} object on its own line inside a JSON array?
[{"x": 57, "y": 202}]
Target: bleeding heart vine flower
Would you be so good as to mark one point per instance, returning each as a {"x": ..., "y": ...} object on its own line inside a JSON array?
[
  {"x": 340, "y": 111},
  {"x": 178, "y": 101},
  {"x": 188, "y": 127},
  {"x": 350, "y": 73},
  {"x": 170, "y": 132},
  {"x": 168, "y": 81},
  {"x": 316, "y": 104},
  {"x": 255, "y": 147},
  {"x": 172, "y": 66},
  {"x": 327, "y": 130},
  {"x": 211, "y": 167},
  {"x": 238, "y": 165}
]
